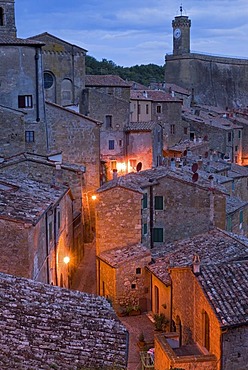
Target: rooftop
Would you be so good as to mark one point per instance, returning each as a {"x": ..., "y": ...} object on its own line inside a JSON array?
[
  {"x": 225, "y": 285},
  {"x": 137, "y": 181},
  {"x": 153, "y": 95},
  {"x": 140, "y": 126},
  {"x": 213, "y": 247},
  {"x": 25, "y": 200},
  {"x": 118, "y": 256},
  {"x": 9, "y": 40},
  {"x": 46, "y": 326},
  {"x": 105, "y": 80}
]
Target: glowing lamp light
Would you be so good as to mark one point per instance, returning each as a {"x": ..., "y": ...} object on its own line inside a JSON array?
[
  {"x": 66, "y": 260},
  {"x": 121, "y": 167},
  {"x": 93, "y": 197}
]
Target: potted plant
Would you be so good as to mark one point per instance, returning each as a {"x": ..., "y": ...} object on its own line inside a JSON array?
[
  {"x": 141, "y": 341},
  {"x": 160, "y": 321}
]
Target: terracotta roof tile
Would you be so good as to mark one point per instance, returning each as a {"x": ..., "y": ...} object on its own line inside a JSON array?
[
  {"x": 118, "y": 256},
  {"x": 226, "y": 286},
  {"x": 8, "y": 40},
  {"x": 26, "y": 200},
  {"x": 44, "y": 326},
  {"x": 105, "y": 80},
  {"x": 153, "y": 95}
]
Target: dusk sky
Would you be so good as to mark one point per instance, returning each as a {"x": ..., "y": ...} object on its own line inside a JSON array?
[{"x": 137, "y": 32}]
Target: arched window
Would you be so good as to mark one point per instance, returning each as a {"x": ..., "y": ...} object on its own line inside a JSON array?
[
  {"x": 1, "y": 17},
  {"x": 48, "y": 80},
  {"x": 205, "y": 330},
  {"x": 66, "y": 92}
]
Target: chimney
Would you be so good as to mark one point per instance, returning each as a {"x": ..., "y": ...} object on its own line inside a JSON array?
[
  {"x": 115, "y": 175},
  {"x": 196, "y": 265}
]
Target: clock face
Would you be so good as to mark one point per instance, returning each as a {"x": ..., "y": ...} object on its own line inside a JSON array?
[{"x": 177, "y": 33}]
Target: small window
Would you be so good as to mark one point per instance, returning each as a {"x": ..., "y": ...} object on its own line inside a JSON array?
[
  {"x": 25, "y": 101},
  {"x": 58, "y": 218},
  {"x": 241, "y": 217},
  {"x": 229, "y": 136},
  {"x": 158, "y": 234},
  {"x": 138, "y": 108},
  {"x": 50, "y": 231},
  {"x": 48, "y": 80},
  {"x": 145, "y": 229},
  {"x": 172, "y": 129},
  {"x": 236, "y": 148},
  {"x": 144, "y": 201},
  {"x": 133, "y": 286},
  {"x": 1, "y": 17},
  {"x": 121, "y": 143},
  {"x": 113, "y": 165},
  {"x": 206, "y": 330},
  {"x": 138, "y": 271},
  {"x": 159, "y": 109},
  {"x": 229, "y": 223},
  {"x": 111, "y": 144},
  {"x": 108, "y": 121},
  {"x": 133, "y": 163},
  {"x": 147, "y": 109},
  {"x": 185, "y": 130},
  {"x": 159, "y": 202},
  {"x": 29, "y": 136},
  {"x": 236, "y": 159},
  {"x": 239, "y": 134}
]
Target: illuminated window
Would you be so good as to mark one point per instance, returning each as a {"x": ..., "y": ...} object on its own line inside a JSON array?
[
  {"x": 111, "y": 144},
  {"x": 158, "y": 234},
  {"x": 113, "y": 165},
  {"x": 133, "y": 163},
  {"x": 25, "y": 101},
  {"x": 159, "y": 203}
]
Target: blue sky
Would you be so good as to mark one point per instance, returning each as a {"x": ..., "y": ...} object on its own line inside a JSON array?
[{"x": 137, "y": 32}]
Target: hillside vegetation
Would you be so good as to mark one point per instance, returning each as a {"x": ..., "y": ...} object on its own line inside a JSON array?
[{"x": 144, "y": 74}]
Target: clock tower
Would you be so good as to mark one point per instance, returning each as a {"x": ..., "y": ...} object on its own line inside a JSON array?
[
  {"x": 7, "y": 18},
  {"x": 181, "y": 34}
]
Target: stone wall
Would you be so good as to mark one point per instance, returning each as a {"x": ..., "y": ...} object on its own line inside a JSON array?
[
  {"x": 189, "y": 302},
  {"x": 66, "y": 63},
  {"x": 12, "y": 138},
  {"x": 217, "y": 81},
  {"x": 164, "y": 297},
  {"x": 20, "y": 75},
  {"x": 140, "y": 148},
  {"x": 118, "y": 219},
  {"x": 235, "y": 354},
  {"x": 186, "y": 210}
]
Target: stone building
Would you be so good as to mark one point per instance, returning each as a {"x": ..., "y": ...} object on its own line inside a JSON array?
[
  {"x": 44, "y": 326},
  {"x": 216, "y": 81},
  {"x": 162, "y": 108},
  {"x": 173, "y": 207},
  {"x": 112, "y": 95},
  {"x": 21, "y": 92},
  {"x": 122, "y": 277},
  {"x": 224, "y": 137},
  {"x": 35, "y": 229},
  {"x": 64, "y": 70},
  {"x": 208, "y": 325}
]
